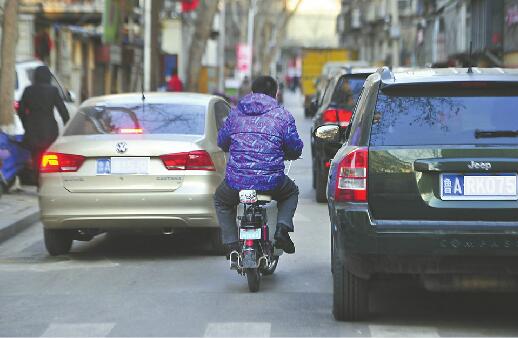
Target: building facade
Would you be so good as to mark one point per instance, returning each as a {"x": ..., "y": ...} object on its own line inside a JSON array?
[{"x": 431, "y": 32}]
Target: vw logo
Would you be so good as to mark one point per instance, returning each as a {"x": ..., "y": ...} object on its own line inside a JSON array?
[{"x": 121, "y": 147}]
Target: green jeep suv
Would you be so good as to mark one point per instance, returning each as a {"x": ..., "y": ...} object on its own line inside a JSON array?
[{"x": 426, "y": 183}]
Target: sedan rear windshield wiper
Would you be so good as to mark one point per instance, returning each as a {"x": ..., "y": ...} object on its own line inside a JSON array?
[{"x": 495, "y": 133}]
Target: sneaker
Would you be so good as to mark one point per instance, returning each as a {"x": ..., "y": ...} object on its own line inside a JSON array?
[{"x": 283, "y": 240}]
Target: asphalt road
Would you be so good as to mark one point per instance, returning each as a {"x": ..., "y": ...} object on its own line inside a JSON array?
[{"x": 171, "y": 286}]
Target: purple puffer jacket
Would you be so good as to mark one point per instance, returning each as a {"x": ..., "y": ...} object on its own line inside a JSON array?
[{"x": 260, "y": 134}]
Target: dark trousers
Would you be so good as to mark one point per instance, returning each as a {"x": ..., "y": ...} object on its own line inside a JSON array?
[
  {"x": 36, "y": 155},
  {"x": 226, "y": 201}
]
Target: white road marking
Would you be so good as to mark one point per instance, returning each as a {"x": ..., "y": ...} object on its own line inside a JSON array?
[
  {"x": 79, "y": 330},
  {"x": 402, "y": 331},
  {"x": 22, "y": 241},
  {"x": 235, "y": 329},
  {"x": 13, "y": 265}
]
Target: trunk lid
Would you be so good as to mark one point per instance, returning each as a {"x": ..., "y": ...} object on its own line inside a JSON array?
[
  {"x": 139, "y": 167},
  {"x": 428, "y": 162}
]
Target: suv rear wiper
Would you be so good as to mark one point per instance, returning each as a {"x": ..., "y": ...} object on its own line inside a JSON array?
[{"x": 495, "y": 133}]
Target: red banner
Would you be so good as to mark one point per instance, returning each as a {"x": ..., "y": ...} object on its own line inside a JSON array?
[{"x": 190, "y": 5}]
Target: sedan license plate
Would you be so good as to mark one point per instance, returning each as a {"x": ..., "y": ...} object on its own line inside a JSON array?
[
  {"x": 250, "y": 234},
  {"x": 481, "y": 187},
  {"x": 123, "y": 165}
]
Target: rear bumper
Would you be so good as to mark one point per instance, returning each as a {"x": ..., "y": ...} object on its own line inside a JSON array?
[
  {"x": 371, "y": 246},
  {"x": 137, "y": 211}
]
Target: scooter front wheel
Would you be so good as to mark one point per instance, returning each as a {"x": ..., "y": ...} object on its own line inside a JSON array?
[{"x": 254, "y": 279}]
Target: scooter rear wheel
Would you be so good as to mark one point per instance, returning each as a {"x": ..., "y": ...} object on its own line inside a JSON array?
[{"x": 254, "y": 279}]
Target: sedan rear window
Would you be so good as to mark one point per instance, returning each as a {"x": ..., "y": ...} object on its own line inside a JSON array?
[
  {"x": 409, "y": 117},
  {"x": 178, "y": 119}
]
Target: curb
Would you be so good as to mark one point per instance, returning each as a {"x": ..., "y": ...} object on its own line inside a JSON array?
[{"x": 28, "y": 217}]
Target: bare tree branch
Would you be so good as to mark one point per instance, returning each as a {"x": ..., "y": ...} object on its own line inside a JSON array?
[
  {"x": 279, "y": 34},
  {"x": 203, "y": 26}
]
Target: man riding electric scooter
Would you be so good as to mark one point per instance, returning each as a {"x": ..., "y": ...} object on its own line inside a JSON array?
[{"x": 259, "y": 134}]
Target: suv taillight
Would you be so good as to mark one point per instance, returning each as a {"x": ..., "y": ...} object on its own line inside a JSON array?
[
  {"x": 351, "y": 179},
  {"x": 194, "y": 160},
  {"x": 337, "y": 116},
  {"x": 60, "y": 163}
]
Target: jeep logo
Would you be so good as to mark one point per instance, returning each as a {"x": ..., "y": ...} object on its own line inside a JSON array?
[{"x": 479, "y": 165}]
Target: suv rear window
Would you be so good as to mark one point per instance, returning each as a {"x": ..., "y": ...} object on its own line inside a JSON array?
[
  {"x": 182, "y": 119},
  {"x": 406, "y": 117}
]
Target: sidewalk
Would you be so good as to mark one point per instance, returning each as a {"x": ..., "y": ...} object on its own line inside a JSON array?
[{"x": 18, "y": 210}]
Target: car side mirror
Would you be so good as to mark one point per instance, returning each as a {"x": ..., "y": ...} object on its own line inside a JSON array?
[
  {"x": 71, "y": 96},
  {"x": 328, "y": 133}
]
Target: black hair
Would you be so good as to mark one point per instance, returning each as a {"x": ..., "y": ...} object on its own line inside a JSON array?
[
  {"x": 265, "y": 85},
  {"x": 42, "y": 75}
]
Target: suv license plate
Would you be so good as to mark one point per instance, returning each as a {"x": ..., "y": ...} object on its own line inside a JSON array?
[
  {"x": 249, "y": 234},
  {"x": 479, "y": 187}
]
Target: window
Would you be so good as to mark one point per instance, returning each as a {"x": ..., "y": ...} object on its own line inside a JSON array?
[
  {"x": 179, "y": 119},
  {"x": 431, "y": 117},
  {"x": 347, "y": 91},
  {"x": 221, "y": 111}
]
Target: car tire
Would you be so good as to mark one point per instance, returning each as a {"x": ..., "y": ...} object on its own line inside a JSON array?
[
  {"x": 332, "y": 251},
  {"x": 320, "y": 187},
  {"x": 57, "y": 242},
  {"x": 350, "y": 295},
  {"x": 314, "y": 172}
]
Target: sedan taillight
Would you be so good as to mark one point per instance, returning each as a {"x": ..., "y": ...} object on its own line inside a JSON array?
[
  {"x": 194, "y": 160},
  {"x": 351, "y": 180},
  {"x": 59, "y": 163}
]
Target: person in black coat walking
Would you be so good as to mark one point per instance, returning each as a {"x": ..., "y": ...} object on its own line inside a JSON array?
[{"x": 36, "y": 111}]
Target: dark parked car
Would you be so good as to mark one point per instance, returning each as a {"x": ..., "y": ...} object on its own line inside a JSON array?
[
  {"x": 426, "y": 183},
  {"x": 329, "y": 70},
  {"x": 335, "y": 107}
]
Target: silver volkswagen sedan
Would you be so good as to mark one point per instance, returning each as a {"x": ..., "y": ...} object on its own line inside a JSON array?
[{"x": 124, "y": 163}]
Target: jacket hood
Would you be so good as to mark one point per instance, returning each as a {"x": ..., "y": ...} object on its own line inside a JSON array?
[
  {"x": 42, "y": 75},
  {"x": 256, "y": 104}
]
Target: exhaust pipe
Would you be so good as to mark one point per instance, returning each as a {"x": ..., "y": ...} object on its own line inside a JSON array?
[{"x": 167, "y": 231}]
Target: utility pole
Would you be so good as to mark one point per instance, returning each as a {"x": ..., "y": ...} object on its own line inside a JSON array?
[
  {"x": 221, "y": 47},
  {"x": 147, "y": 44},
  {"x": 251, "y": 21},
  {"x": 151, "y": 32},
  {"x": 395, "y": 32},
  {"x": 8, "y": 62}
]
